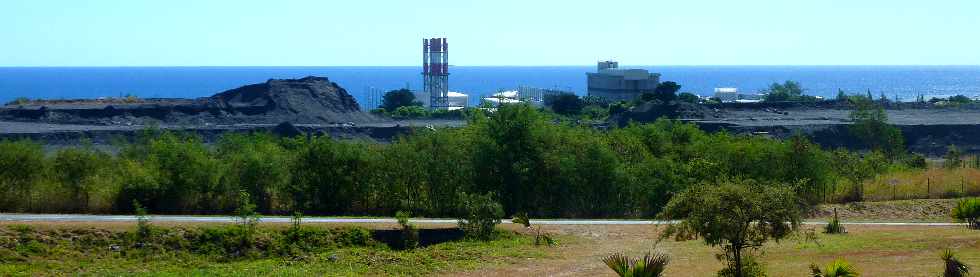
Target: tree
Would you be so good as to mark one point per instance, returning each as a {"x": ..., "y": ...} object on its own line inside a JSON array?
[
  {"x": 960, "y": 99},
  {"x": 737, "y": 215},
  {"x": 256, "y": 164},
  {"x": 564, "y": 103},
  {"x": 77, "y": 170},
  {"x": 688, "y": 97},
  {"x": 953, "y": 158},
  {"x": 787, "y": 91},
  {"x": 509, "y": 150},
  {"x": 871, "y": 126},
  {"x": 22, "y": 164},
  {"x": 398, "y": 98},
  {"x": 666, "y": 91}
]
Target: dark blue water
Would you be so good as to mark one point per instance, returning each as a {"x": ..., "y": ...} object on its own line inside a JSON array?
[{"x": 905, "y": 82}]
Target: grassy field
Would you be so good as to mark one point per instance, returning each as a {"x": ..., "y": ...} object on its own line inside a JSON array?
[
  {"x": 874, "y": 250},
  {"x": 61, "y": 258}
]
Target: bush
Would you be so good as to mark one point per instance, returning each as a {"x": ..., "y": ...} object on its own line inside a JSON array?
[
  {"x": 143, "y": 228},
  {"x": 953, "y": 157},
  {"x": 968, "y": 210},
  {"x": 248, "y": 219},
  {"x": 952, "y": 266},
  {"x": 916, "y": 161},
  {"x": 78, "y": 171},
  {"x": 410, "y": 235},
  {"x": 410, "y": 112},
  {"x": 448, "y": 114},
  {"x": 649, "y": 266},
  {"x": 258, "y": 165},
  {"x": 688, "y": 97},
  {"x": 564, "y": 103},
  {"x": 834, "y": 226},
  {"x": 871, "y": 127},
  {"x": 23, "y": 166},
  {"x": 593, "y": 112},
  {"x": 838, "y": 268},
  {"x": 479, "y": 214}
]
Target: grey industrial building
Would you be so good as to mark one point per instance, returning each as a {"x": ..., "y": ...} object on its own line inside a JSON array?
[{"x": 615, "y": 84}]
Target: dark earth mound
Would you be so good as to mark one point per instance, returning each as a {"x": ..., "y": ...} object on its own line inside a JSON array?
[{"x": 310, "y": 100}]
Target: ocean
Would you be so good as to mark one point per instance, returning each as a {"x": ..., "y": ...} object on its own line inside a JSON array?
[{"x": 367, "y": 83}]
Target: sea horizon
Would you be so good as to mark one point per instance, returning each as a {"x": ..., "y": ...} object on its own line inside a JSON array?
[{"x": 367, "y": 83}]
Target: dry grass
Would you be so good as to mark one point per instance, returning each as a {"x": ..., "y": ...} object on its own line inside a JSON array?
[
  {"x": 874, "y": 250},
  {"x": 919, "y": 184},
  {"x": 915, "y": 210}
]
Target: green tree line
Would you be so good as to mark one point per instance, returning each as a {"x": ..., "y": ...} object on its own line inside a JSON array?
[{"x": 522, "y": 157}]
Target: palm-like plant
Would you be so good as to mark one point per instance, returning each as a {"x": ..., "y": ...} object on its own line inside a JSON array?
[
  {"x": 954, "y": 267},
  {"x": 651, "y": 265},
  {"x": 838, "y": 268}
]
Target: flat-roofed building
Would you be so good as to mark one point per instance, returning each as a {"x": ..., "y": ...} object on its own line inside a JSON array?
[{"x": 615, "y": 84}]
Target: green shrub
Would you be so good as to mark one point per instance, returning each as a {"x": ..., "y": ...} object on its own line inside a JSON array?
[
  {"x": 953, "y": 157},
  {"x": 916, "y": 161},
  {"x": 688, "y": 97},
  {"x": 479, "y": 214},
  {"x": 564, "y": 103},
  {"x": 23, "y": 166},
  {"x": 968, "y": 210},
  {"x": 834, "y": 226},
  {"x": 78, "y": 171},
  {"x": 539, "y": 237},
  {"x": 248, "y": 219},
  {"x": 143, "y": 228},
  {"x": 649, "y": 266},
  {"x": 838, "y": 268},
  {"x": 410, "y": 234},
  {"x": 407, "y": 112},
  {"x": 257, "y": 164}
]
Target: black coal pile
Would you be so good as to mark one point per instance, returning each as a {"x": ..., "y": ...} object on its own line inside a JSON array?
[{"x": 310, "y": 100}]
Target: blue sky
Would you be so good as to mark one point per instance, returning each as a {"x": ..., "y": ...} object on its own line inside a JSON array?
[{"x": 501, "y": 32}]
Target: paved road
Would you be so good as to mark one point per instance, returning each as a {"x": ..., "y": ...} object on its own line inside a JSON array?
[{"x": 283, "y": 219}]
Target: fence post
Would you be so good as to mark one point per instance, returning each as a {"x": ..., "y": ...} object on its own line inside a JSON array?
[{"x": 928, "y": 188}]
